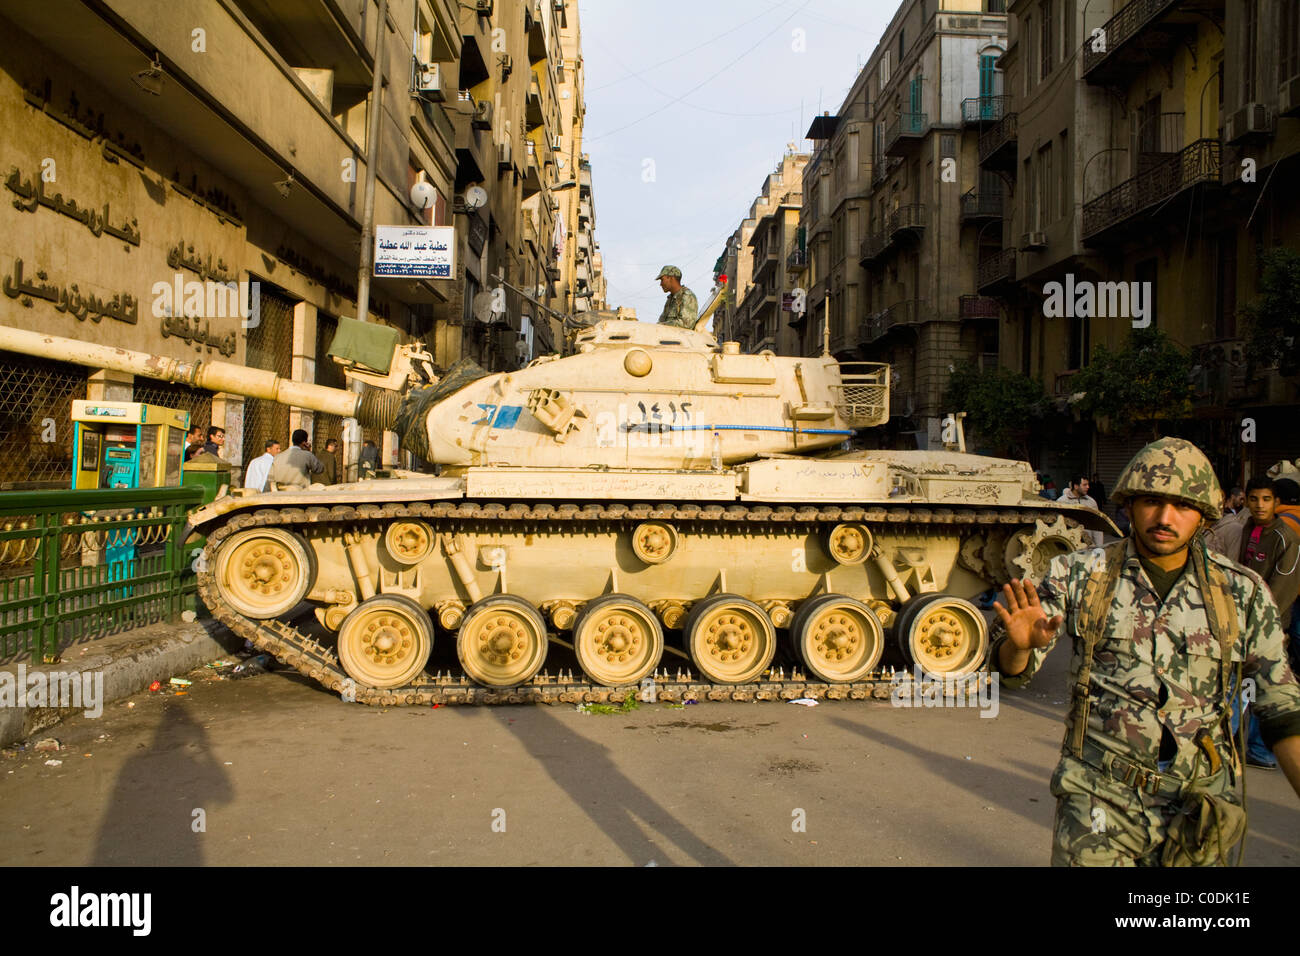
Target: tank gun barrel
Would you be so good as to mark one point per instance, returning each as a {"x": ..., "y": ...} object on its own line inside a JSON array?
[{"x": 214, "y": 376}]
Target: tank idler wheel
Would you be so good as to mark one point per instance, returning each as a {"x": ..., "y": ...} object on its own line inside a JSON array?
[
  {"x": 264, "y": 572},
  {"x": 618, "y": 640},
  {"x": 839, "y": 638},
  {"x": 943, "y": 635},
  {"x": 730, "y": 638},
  {"x": 385, "y": 641},
  {"x": 502, "y": 641}
]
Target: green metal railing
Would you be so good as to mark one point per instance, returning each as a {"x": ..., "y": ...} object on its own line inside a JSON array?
[{"x": 56, "y": 582}]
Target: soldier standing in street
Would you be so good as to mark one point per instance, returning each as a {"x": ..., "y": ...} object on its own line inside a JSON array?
[
  {"x": 681, "y": 309},
  {"x": 1158, "y": 623}
]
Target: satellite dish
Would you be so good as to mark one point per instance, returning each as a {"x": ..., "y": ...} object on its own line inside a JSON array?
[
  {"x": 484, "y": 307},
  {"x": 423, "y": 195},
  {"x": 475, "y": 197}
]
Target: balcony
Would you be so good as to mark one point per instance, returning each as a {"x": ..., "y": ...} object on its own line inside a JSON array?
[
  {"x": 997, "y": 149},
  {"x": 904, "y": 221},
  {"x": 1201, "y": 162},
  {"x": 904, "y": 132},
  {"x": 532, "y": 181},
  {"x": 978, "y": 208},
  {"x": 982, "y": 110},
  {"x": 882, "y": 167},
  {"x": 534, "y": 116},
  {"x": 1222, "y": 377},
  {"x": 978, "y": 307},
  {"x": 906, "y": 312},
  {"x": 796, "y": 261},
  {"x": 530, "y": 229},
  {"x": 1142, "y": 33},
  {"x": 997, "y": 272}
]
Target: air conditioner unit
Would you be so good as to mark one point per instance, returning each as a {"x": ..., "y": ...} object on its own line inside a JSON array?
[
  {"x": 503, "y": 154},
  {"x": 557, "y": 143},
  {"x": 1251, "y": 120},
  {"x": 483, "y": 8},
  {"x": 1288, "y": 97},
  {"x": 482, "y": 115},
  {"x": 1033, "y": 240},
  {"x": 428, "y": 81}
]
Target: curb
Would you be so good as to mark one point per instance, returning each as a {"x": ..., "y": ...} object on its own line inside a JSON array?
[{"x": 129, "y": 663}]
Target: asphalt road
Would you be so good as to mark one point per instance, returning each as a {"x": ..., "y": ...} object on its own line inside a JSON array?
[{"x": 286, "y": 773}]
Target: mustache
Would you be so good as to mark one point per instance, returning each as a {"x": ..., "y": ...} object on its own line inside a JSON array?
[{"x": 1160, "y": 527}]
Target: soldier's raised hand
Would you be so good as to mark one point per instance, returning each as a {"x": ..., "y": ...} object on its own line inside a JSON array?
[{"x": 1024, "y": 618}]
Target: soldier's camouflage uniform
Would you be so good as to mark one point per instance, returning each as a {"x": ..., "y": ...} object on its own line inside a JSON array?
[
  {"x": 1155, "y": 670},
  {"x": 681, "y": 309},
  {"x": 1156, "y": 677}
]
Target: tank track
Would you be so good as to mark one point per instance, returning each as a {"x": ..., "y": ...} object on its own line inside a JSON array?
[{"x": 292, "y": 647}]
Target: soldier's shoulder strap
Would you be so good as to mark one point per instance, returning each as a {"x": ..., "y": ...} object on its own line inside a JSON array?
[
  {"x": 1105, "y": 566},
  {"x": 1220, "y": 607}
]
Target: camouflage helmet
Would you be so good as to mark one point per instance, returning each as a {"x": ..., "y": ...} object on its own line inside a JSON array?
[
  {"x": 672, "y": 271},
  {"x": 1172, "y": 468}
]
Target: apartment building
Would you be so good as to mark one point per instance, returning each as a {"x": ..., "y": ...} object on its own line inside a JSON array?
[
  {"x": 895, "y": 204},
  {"x": 1140, "y": 143},
  {"x": 227, "y": 141}
]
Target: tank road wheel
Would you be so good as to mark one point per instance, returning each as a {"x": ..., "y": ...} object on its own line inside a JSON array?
[
  {"x": 264, "y": 572},
  {"x": 385, "y": 641},
  {"x": 1031, "y": 550},
  {"x": 839, "y": 639},
  {"x": 502, "y": 641},
  {"x": 943, "y": 635},
  {"x": 618, "y": 640},
  {"x": 731, "y": 639}
]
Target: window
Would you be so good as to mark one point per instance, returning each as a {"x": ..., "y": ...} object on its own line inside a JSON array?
[
  {"x": 1046, "y": 185},
  {"x": 1047, "y": 41},
  {"x": 995, "y": 6},
  {"x": 1225, "y": 286},
  {"x": 948, "y": 145},
  {"x": 1249, "y": 28},
  {"x": 1067, "y": 187},
  {"x": 854, "y": 158},
  {"x": 901, "y": 47},
  {"x": 1288, "y": 33},
  {"x": 1031, "y": 197},
  {"x": 1028, "y": 68},
  {"x": 884, "y": 69}
]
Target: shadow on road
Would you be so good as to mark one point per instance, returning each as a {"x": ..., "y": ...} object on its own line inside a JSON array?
[
  {"x": 150, "y": 813},
  {"x": 584, "y": 770}
]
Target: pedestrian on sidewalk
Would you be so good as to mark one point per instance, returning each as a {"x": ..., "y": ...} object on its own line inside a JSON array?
[
  {"x": 293, "y": 467},
  {"x": 1077, "y": 494},
  {"x": 259, "y": 469},
  {"x": 1155, "y": 622},
  {"x": 330, "y": 459}
]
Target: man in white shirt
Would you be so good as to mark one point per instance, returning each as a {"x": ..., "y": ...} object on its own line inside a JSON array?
[
  {"x": 1077, "y": 494},
  {"x": 259, "y": 469}
]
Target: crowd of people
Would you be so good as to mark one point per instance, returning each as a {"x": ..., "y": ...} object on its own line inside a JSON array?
[{"x": 280, "y": 468}]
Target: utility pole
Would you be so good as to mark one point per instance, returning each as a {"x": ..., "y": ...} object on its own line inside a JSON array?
[{"x": 351, "y": 430}]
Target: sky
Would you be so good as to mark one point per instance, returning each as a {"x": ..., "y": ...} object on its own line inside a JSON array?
[{"x": 690, "y": 104}]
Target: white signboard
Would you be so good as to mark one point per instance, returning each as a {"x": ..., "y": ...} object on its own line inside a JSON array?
[{"x": 417, "y": 252}]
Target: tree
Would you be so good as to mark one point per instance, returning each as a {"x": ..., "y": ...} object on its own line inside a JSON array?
[
  {"x": 1146, "y": 382},
  {"x": 1000, "y": 404},
  {"x": 1273, "y": 318}
]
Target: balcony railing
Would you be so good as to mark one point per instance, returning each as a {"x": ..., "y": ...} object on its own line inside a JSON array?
[
  {"x": 975, "y": 205},
  {"x": 1221, "y": 374},
  {"x": 1062, "y": 385},
  {"x": 994, "y": 143},
  {"x": 796, "y": 260},
  {"x": 978, "y": 110},
  {"x": 978, "y": 307},
  {"x": 912, "y": 218},
  {"x": 906, "y": 312},
  {"x": 905, "y": 127},
  {"x": 1105, "y": 47},
  {"x": 997, "y": 269},
  {"x": 1201, "y": 162}
]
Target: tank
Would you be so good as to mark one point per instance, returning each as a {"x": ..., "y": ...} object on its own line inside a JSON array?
[{"x": 656, "y": 514}]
